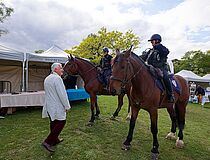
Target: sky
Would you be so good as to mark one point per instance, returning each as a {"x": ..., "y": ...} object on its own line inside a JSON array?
[{"x": 38, "y": 24}]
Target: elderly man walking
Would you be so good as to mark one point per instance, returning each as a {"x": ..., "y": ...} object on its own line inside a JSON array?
[{"x": 56, "y": 105}]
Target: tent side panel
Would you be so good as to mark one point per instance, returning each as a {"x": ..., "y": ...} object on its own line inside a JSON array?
[
  {"x": 12, "y": 74},
  {"x": 36, "y": 78}
]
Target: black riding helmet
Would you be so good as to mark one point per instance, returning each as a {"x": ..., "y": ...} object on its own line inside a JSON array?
[
  {"x": 155, "y": 37},
  {"x": 105, "y": 50}
]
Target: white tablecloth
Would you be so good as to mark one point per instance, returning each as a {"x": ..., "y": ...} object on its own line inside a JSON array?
[{"x": 23, "y": 99}]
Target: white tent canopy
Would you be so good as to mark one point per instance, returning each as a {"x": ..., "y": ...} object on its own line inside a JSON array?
[
  {"x": 207, "y": 76},
  {"x": 38, "y": 66},
  {"x": 53, "y": 54},
  {"x": 12, "y": 68},
  {"x": 190, "y": 76},
  {"x": 11, "y": 54},
  {"x": 27, "y": 71}
]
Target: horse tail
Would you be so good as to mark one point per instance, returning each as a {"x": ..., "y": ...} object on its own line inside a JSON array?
[
  {"x": 184, "y": 88},
  {"x": 181, "y": 104}
]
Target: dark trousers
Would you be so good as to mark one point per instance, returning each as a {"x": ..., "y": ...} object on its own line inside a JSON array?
[
  {"x": 56, "y": 127},
  {"x": 167, "y": 82},
  {"x": 106, "y": 75}
]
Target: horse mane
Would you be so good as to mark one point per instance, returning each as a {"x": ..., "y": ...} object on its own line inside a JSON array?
[
  {"x": 138, "y": 58},
  {"x": 82, "y": 59}
]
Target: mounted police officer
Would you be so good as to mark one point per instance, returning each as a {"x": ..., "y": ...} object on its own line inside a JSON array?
[
  {"x": 105, "y": 64},
  {"x": 157, "y": 57}
]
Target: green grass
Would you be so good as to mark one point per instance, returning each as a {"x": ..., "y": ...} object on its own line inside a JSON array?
[{"x": 21, "y": 135}]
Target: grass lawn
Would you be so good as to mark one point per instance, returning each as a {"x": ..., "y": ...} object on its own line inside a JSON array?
[{"x": 21, "y": 135}]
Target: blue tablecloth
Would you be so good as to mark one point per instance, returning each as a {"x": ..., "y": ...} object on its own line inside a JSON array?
[{"x": 77, "y": 94}]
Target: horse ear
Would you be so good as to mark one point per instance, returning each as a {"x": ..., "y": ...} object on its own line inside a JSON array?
[
  {"x": 130, "y": 48},
  {"x": 128, "y": 52},
  {"x": 117, "y": 51},
  {"x": 71, "y": 58}
]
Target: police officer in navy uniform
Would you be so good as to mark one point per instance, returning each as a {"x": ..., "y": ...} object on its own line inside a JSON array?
[
  {"x": 105, "y": 64},
  {"x": 157, "y": 57}
]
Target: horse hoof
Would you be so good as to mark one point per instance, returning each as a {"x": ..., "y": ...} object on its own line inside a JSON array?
[
  {"x": 179, "y": 143},
  {"x": 126, "y": 147},
  {"x": 90, "y": 124},
  {"x": 97, "y": 117},
  {"x": 171, "y": 136},
  {"x": 128, "y": 118},
  {"x": 154, "y": 156},
  {"x": 112, "y": 118}
]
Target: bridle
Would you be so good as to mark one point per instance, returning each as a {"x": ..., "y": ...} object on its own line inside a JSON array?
[
  {"x": 85, "y": 72},
  {"x": 126, "y": 79}
]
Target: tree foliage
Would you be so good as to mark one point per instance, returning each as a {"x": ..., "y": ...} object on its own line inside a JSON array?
[
  {"x": 195, "y": 61},
  {"x": 39, "y": 51},
  {"x": 91, "y": 47},
  {"x": 4, "y": 13}
]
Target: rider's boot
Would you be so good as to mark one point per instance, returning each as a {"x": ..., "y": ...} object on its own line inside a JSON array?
[{"x": 171, "y": 98}]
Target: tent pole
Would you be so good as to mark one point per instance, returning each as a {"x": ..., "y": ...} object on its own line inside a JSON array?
[
  {"x": 26, "y": 89},
  {"x": 23, "y": 79}
]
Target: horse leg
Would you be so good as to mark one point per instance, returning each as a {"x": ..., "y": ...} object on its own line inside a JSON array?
[
  {"x": 120, "y": 103},
  {"x": 92, "y": 106},
  {"x": 154, "y": 130},
  {"x": 171, "y": 111},
  {"x": 97, "y": 110},
  {"x": 180, "y": 111},
  {"x": 126, "y": 144},
  {"x": 129, "y": 108}
]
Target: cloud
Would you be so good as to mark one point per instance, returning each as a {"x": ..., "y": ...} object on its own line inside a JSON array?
[{"x": 38, "y": 24}]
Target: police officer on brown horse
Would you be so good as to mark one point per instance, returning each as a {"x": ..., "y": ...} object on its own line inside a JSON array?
[
  {"x": 105, "y": 64},
  {"x": 157, "y": 57}
]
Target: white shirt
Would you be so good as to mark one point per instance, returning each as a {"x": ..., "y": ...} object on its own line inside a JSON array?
[{"x": 56, "y": 99}]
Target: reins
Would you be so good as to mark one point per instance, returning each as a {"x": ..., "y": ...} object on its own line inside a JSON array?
[
  {"x": 84, "y": 73},
  {"x": 125, "y": 79}
]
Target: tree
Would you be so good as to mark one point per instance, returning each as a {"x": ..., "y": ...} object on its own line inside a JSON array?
[
  {"x": 91, "y": 47},
  {"x": 39, "y": 51},
  {"x": 195, "y": 61},
  {"x": 4, "y": 13}
]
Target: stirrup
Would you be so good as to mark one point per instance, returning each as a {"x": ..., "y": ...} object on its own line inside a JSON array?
[{"x": 171, "y": 99}]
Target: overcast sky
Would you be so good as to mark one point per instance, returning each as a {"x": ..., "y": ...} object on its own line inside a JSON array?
[{"x": 38, "y": 24}]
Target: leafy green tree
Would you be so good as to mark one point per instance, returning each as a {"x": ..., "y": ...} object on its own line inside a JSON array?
[
  {"x": 91, "y": 47},
  {"x": 195, "y": 61},
  {"x": 4, "y": 13},
  {"x": 39, "y": 51}
]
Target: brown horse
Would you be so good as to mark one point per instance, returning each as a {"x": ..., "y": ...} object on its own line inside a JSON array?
[
  {"x": 89, "y": 73},
  {"x": 128, "y": 67}
]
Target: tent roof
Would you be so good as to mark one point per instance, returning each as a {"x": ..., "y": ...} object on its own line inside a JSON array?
[
  {"x": 53, "y": 54},
  {"x": 55, "y": 51},
  {"x": 11, "y": 54},
  {"x": 190, "y": 76},
  {"x": 207, "y": 76}
]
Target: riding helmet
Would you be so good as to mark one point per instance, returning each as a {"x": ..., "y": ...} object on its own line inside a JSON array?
[
  {"x": 105, "y": 50},
  {"x": 155, "y": 37}
]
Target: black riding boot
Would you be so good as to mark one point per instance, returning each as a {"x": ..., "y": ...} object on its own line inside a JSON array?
[{"x": 168, "y": 84}]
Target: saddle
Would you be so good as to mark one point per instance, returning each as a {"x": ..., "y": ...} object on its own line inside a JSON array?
[
  {"x": 156, "y": 72},
  {"x": 158, "y": 76}
]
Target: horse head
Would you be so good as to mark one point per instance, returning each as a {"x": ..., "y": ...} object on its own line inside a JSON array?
[
  {"x": 71, "y": 66},
  {"x": 121, "y": 72}
]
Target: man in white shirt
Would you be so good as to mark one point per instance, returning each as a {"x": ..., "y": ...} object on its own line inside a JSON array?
[{"x": 56, "y": 105}]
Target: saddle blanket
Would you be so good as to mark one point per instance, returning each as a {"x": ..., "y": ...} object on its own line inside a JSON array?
[{"x": 175, "y": 85}]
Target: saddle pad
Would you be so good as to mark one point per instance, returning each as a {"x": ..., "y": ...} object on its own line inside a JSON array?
[{"x": 175, "y": 85}]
